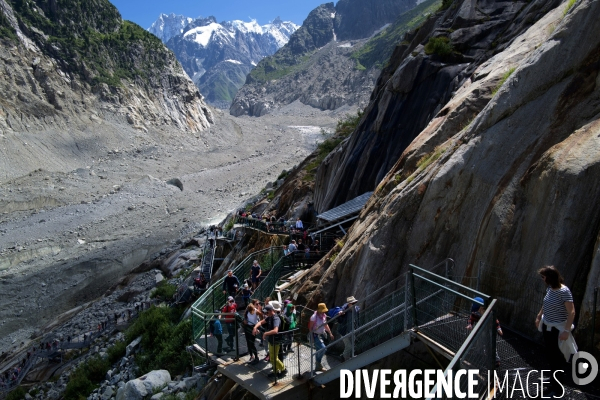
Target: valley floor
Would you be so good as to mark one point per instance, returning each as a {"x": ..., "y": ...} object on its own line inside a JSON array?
[{"x": 72, "y": 227}]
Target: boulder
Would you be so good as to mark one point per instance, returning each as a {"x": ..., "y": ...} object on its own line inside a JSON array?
[
  {"x": 108, "y": 393},
  {"x": 131, "y": 346},
  {"x": 143, "y": 386}
]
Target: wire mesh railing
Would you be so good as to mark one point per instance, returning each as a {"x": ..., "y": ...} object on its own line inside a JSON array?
[
  {"x": 478, "y": 352},
  {"x": 518, "y": 304},
  {"x": 443, "y": 307},
  {"x": 277, "y": 227},
  {"x": 214, "y": 298},
  {"x": 420, "y": 300}
]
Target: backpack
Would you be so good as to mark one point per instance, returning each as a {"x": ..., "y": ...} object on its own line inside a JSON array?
[{"x": 334, "y": 311}]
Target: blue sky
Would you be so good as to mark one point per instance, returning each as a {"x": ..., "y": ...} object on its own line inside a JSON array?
[{"x": 145, "y": 12}]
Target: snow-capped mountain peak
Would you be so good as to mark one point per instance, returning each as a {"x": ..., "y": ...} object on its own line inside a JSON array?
[
  {"x": 218, "y": 56},
  {"x": 203, "y": 34},
  {"x": 167, "y": 26}
]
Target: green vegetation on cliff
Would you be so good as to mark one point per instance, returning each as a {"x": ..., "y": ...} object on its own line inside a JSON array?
[
  {"x": 343, "y": 129},
  {"x": 90, "y": 39},
  {"x": 315, "y": 32},
  {"x": 6, "y": 30},
  {"x": 377, "y": 51},
  {"x": 164, "y": 340}
]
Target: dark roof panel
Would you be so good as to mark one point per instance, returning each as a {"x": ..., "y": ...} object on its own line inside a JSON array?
[{"x": 347, "y": 209}]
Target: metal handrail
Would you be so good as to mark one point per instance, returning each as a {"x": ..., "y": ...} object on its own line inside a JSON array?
[
  {"x": 403, "y": 276},
  {"x": 448, "y": 281}
]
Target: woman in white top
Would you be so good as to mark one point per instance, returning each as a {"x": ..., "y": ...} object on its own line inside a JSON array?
[
  {"x": 251, "y": 317},
  {"x": 555, "y": 320}
]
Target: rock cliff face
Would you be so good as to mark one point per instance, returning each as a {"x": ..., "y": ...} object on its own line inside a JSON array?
[
  {"x": 499, "y": 163},
  {"x": 66, "y": 62},
  {"x": 316, "y": 67},
  {"x": 417, "y": 84},
  {"x": 357, "y": 19}
]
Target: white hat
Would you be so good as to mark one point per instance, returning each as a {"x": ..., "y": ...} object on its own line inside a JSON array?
[
  {"x": 276, "y": 305},
  {"x": 230, "y": 298},
  {"x": 245, "y": 285}
]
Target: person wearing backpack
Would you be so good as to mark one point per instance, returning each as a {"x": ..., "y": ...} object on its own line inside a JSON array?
[
  {"x": 216, "y": 330},
  {"x": 317, "y": 326},
  {"x": 289, "y": 317},
  {"x": 272, "y": 324}
]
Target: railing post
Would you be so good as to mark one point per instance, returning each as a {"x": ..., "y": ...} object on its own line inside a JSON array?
[
  {"x": 206, "y": 340},
  {"x": 406, "y": 292},
  {"x": 312, "y": 354},
  {"x": 275, "y": 356},
  {"x": 413, "y": 296},
  {"x": 298, "y": 353}
]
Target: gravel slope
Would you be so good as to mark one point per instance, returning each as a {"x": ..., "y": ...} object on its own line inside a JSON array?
[{"x": 71, "y": 230}]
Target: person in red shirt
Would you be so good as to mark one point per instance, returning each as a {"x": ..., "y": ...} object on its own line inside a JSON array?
[{"x": 229, "y": 320}]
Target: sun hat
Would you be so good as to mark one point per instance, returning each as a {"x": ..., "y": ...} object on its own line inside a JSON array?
[
  {"x": 322, "y": 308},
  {"x": 351, "y": 300},
  {"x": 475, "y": 306},
  {"x": 276, "y": 305}
]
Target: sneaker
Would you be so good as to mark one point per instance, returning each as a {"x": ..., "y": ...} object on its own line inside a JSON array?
[
  {"x": 290, "y": 351},
  {"x": 271, "y": 375},
  {"x": 320, "y": 368},
  {"x": 255, "y": 361},
  {"x": 267, "y": 358},
  {"x": 281, "y": 374}
]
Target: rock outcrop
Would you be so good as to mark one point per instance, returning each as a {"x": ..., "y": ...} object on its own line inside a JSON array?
[
  {"x": 357, "y": 19},
  {"x": 417, "y": 85},
  {"x": 317, "y": 66},
  {"x": 499, "y": 163},
  {"x": 92, "y": 68},
  {"x": 139, "y": 388}
]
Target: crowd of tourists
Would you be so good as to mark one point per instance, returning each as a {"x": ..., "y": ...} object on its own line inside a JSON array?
[
  {"x": 274, "y": 224},
  {"x": 266, "y": 323},
  {"x": 269, "y": 324}
]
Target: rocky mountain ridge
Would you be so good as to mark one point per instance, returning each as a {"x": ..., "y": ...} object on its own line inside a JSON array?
[
  {"x": 317, "y": 66},
  {"x": 218, "y": 56},
  {"x": 96, "y": 69},
  {"x": 492, "y": 166},
  {"x": 58, "y": 70}
]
